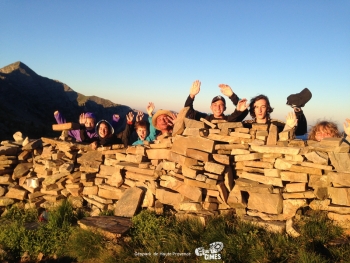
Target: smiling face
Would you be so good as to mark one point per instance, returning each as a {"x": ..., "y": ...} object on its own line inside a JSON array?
[
  {"x": 141, "y": 132},
  {"x": 260, "y": 108},
  {"x": 103, "y": 130},
  {"x": 90, "y": 123},
  {"x": 218, "y": 108}
]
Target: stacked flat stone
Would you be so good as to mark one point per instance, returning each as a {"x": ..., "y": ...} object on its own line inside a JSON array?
[{"x": 202, "y": 169}]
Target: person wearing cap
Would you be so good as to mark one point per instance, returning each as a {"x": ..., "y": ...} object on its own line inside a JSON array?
[
  {"x": 87, "y": 132},
  {"x": 218, "y": 105}
]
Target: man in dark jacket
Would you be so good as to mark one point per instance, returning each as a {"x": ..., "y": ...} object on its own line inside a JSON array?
[
  {"x": 218, "y": 105},
  {"x": 260, "y": 109}
]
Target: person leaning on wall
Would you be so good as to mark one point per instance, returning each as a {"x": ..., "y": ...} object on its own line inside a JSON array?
[
  {"x": 260, "y": 110},
  {"x": 218, "y": 105},
  {"x": 163, "y": 121}
]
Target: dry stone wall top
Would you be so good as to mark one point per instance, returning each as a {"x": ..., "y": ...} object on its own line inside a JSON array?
[{"x": 202, "y": 170}]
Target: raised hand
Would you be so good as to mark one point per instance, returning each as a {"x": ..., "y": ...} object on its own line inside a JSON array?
[
  {"x": 196, "y": 87},
  {"x": 82, "y": 118},
  {"x": 291, "y": 119},
  {"x": 150, "y": 108},
  {"x": 130, "y": 117},
  {"x": 347, "y": 127},
  {"x": 242, "y": 105},
  {"x": 171, "y": 120},
  {"x": 139, "y": 116},
  {"x": 226, "y": 90}
]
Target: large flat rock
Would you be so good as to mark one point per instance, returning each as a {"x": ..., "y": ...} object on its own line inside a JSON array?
[
  {"x": 110, "y": 226},
  {"x": 129, "y": 202}
]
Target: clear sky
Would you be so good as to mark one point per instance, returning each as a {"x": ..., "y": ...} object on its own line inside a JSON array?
[{"x": 133, "y": 52}]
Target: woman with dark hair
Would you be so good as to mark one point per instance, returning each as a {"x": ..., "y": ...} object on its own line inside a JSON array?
[{"x": 106, "y": 135}]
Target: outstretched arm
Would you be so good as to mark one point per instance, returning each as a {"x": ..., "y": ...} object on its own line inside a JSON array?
[
  {"x": 72, "y": 133},
  {"x": 227, "y": 91},
  {"x": 59, "y": 117},
  {"x": 192, "y": 113},
  {"x": 242, "y": 105},
  {"x": 291, "y": 121},
  {"x": 301, "y": 128},
  {"x": 152, "y": 131},
  {"x": 128, "y": 128},
  {"x": 139, "y": 116},
  {"x": 130, "y": 117},
  {"x": 150, "y": 108},
  {"x": 82, "y": 119},
  {"x": 240, "y": 112},
  {"x": 195, "y": 89}
]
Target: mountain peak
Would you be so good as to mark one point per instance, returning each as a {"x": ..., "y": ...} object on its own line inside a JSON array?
[
  {"x": 28, "y": 101},
  {"x": 18, "y": 66}
]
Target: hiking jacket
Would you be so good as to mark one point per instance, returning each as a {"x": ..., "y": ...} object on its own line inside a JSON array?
[
  {"x": 81, "y": 135},
  {"x": 234, "y": 117},
  {"x": 151, "y": 136}
]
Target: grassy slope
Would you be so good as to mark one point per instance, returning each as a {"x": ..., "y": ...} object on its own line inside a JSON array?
[{"x": 60, "y": 239}]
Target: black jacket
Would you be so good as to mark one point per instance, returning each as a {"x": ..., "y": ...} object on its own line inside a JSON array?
[{"x": 236, "y": 116}]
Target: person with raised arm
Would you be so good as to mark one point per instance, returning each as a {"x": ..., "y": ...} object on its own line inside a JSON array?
[
  {"x": 141, "y": 127},
  {"x": 297, "y": 101},
  {"x": 87, "y": 132},
  {"x": 106, "y": 135},
  {"x": 260, "y": 109},
  {"x": 163, "y": 121},
  {"x": 218, "y": 105}
]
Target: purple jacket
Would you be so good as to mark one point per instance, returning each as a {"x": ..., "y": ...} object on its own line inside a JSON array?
[{"x": 89, "y": 135}]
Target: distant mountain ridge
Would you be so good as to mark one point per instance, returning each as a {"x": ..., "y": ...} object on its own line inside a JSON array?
[{"x": 28, "y": 101}]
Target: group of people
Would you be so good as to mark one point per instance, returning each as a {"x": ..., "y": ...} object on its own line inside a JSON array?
[
  {"x": 102, "y": 133},
  {"x": 161, "y": 123}
]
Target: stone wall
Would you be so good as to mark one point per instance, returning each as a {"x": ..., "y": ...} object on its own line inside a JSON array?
[{"x": 203, "y": 169}]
